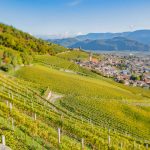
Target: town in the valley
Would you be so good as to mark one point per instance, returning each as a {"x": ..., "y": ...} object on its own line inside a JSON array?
[{"x": 127, "y": 69}]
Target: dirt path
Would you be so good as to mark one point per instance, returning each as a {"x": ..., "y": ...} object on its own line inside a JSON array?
[
  {"x": 52, "y": 97},
  {"x": 63, "y": 52}
]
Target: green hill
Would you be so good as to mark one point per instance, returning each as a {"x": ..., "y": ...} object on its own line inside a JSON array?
[
  {"x": 50, "y": 95},
  {"x": 24, "y": 42},
  {"x": 32, "y": 122},
  {"x": 74, "y": 55},
  {"x": 96, "y": 99},
  {"x": 18, "y": 48},
  {"x": 62, "y": 64}
]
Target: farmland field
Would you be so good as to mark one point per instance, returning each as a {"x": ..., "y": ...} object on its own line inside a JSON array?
[
  {"x": 61, "y": 64},
  {"x": 25, "y": 131},
  {"x": 100, "y": 101},
  {"x": 74, "y": 55}
]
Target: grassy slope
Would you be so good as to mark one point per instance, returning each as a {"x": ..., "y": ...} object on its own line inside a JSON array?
[
  {"x": 61, "y": 64},
  {"x": 110, "y": 105},
  {"x": 77, "y": 55},
  {"x": 42, "y": 133},
  {"x": 74, "y": 55}
]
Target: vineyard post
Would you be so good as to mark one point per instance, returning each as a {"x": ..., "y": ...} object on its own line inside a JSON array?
[
  {"x": 3, "y": 140},
  {"x": 134, "y": 144},
  {"x": 35, "y": 116},
  {"x": 121, "y": 145},
  {"x": 7, "y": 103},
  {"x": 10, "y": 106},
  {"x": 109, "y": 140},
  {"x": 58, "y": 136},
  {"x": 146, "y": 146},
  {"x": 12, "y": 123},
  {"x": 82, "y": 143}
]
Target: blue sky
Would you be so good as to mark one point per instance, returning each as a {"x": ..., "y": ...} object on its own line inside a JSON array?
[{"x": 68, "y": 17}]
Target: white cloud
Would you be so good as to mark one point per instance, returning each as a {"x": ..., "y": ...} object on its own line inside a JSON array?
[
  {"x": 70, "y": 34},
  {"x": 79, "y": 33},
  {"x": 74, "y": 2},
  {"x": 66, "y": 34}
]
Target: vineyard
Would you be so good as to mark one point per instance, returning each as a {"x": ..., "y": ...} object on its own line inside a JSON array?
[
  {"x": 98, "y": 101},
  {"x": 74, "y": 55},
  {"x": 30, "y": 122},
  {"x": 62, "y": 65},
  {"x": 49, "y": 102}
]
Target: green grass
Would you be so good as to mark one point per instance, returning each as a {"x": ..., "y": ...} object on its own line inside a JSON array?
[{"x": 100, "y": 100}]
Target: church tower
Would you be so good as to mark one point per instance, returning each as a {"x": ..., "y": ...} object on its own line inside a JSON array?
[{"x": 90, "y": 56}]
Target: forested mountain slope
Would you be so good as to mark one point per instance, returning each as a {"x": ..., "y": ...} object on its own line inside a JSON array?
[
  {"x": 24, "y": 42},
  {"x": 18, "y": 48}
]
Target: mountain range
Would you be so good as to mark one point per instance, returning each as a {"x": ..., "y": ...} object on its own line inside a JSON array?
[{"x": 138, "y": 41}]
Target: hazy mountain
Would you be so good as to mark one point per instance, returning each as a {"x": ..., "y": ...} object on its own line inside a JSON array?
[
  {"x": 65, "y": 42},
  {"x": 117, "y": 43},
  {"x": 142, "y": 36},
  {"x": 99, "y": 36},
  {"x": 137, "y": 40}
]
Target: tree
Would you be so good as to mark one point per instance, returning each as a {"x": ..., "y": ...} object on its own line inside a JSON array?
[
  {"x": 134, "y": 77},
  {"x": 26, "y": 59},
  {"x": 14, "y": 61}
]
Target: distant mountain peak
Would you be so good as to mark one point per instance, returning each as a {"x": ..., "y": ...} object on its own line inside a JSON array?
[{"x": 136, "y": 40}]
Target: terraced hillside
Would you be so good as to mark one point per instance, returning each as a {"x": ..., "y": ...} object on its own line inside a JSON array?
[
  {"x": 74, "y": 55},
  {"x": 52, "y": 103},
  {"x": 112, "y": 106},
  {"x": 62, "y": 65},
  {"x": 29, "y": 121}
]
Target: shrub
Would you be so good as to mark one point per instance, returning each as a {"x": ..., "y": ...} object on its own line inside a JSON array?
[{"x": 7, "y": 67}]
